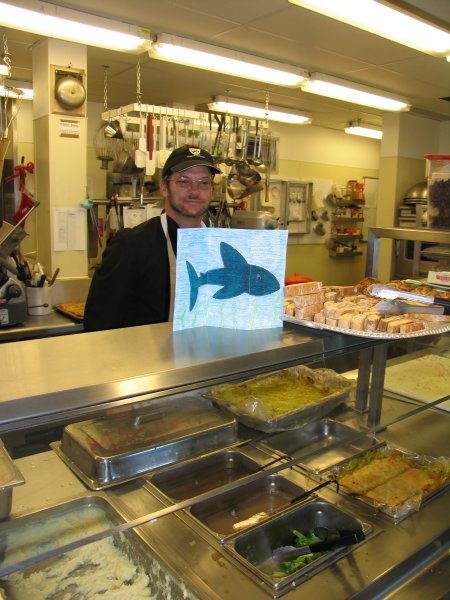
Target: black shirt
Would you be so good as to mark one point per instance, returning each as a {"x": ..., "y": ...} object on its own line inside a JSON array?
[{"x": 132, "y": 285}]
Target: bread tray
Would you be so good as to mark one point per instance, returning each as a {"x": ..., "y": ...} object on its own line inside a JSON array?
[
  {"x": 412, "y": 504},
  {"x": 436, "y": 329},
  {"x": 68, "y": 313}
]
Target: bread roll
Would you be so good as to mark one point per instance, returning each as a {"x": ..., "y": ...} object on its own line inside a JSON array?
[
  {"x": 394, "y": 325},
  {"x": 299, "y": 289},
  {"x": 308, "y": 299},
  {"x": 307, "y": 311}
]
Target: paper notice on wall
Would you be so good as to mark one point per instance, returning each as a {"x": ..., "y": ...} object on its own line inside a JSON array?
[{"x": 68, "y": 229}]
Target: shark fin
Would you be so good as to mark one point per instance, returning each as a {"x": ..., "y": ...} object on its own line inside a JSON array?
[
  {"x": 231, "y": 257},
  {"x": 194, "y": 280},
  {"x": 227, "y": 292}
]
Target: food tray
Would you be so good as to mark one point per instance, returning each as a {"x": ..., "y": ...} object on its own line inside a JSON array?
[
  {"x": 436, "y": 329},
  {"x": 239, "y": 509},
  {"x": 255, "y": 402},
  {"x": 125, "y": 557},
  {"x": 60, "y": 308},
  {"x": 254, "y": 548},
  {"x": 10, "y": 477},
  {"x": 203, "y": 474},
  {"x": 109, "y": 450},
  {"x": 439, "y": 468},
  {"x": 331, "y": 442}
]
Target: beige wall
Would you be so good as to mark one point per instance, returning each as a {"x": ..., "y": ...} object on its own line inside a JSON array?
[{"x": 319, "y": 154}]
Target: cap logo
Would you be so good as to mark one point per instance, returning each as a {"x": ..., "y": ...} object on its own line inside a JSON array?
[{"x": 195, "y": 151}]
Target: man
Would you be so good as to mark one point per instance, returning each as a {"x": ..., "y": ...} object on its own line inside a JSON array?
[{"x": 135, "y": 283}]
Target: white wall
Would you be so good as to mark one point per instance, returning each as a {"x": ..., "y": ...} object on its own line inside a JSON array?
[{"x": 326, "y": 146}]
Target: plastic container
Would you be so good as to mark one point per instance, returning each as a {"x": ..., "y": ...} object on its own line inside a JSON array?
[{"x": 438, "y": 176}]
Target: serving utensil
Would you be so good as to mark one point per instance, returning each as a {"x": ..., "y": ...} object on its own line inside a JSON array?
[
  {"x": 397, "y": 307},
  {"x": 390, "y": 293},
  {"x": 285, "y": 553}
]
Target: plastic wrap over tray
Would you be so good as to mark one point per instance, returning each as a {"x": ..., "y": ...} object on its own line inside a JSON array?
[
  {"x": 285, "y": 399},
  {"x": 393, "y": 480}
]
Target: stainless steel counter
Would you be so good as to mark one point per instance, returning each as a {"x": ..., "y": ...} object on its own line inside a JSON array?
[
  {"x": 393, "y": 558},
  {"x": 41, "y": 326},
  {"x": 68, "y": 376},
  {"x": 61, "y": 378}
]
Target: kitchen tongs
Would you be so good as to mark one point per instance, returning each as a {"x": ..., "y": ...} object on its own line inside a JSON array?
[
  {"x": 438, "y": 305},
  {"x": 285, "y": 553}
]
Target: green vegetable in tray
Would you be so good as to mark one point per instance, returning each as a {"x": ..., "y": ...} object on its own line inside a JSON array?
[{"x": 290, "y": 566}]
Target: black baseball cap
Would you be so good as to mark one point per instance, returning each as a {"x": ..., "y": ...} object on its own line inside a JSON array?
[{"x": 186, "y": 157}]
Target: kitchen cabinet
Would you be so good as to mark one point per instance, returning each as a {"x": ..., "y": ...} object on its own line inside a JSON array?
[{"x": 73, "y": 378}]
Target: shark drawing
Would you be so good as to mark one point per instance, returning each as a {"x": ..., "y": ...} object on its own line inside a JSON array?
[{"x": 236, "y": 277}]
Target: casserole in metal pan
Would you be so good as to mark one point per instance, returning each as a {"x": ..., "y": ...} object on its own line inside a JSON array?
[
  {"x": 285, "y": 399},
  {"x": 110, "y": 450}
]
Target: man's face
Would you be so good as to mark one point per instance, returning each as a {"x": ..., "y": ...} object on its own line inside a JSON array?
[{"x": 187, "y": 194}]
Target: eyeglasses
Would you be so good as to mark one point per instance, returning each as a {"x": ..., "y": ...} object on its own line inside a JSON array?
[{"x": 184, "y": 183}]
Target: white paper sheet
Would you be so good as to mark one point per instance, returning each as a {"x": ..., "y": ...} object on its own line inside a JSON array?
[{"x": 69, "y": 229}]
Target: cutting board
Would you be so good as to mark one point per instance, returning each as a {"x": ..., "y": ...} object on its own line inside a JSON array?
[{"x": 425, "y": 378}]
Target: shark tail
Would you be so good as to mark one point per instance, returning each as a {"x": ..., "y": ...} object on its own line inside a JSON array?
[{"x": 194, "y": 280}]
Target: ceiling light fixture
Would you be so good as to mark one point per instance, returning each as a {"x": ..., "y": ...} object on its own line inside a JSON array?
[
  {"x": 222, "y": 60},
  {"x": 17, "y": 89},
  {"x": 364, "y": 131},
  {"x": 385, "y": 21},
  {"x": 70, "y": 25},
  {"x": 340, "y": 89},
  {"x": 247, "y": 108}
]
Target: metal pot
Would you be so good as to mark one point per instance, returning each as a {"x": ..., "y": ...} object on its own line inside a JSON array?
[{"x": 418, "y": 192}]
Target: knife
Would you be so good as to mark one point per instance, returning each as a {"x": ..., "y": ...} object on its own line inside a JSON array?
[{"x": 389, "y": 293}]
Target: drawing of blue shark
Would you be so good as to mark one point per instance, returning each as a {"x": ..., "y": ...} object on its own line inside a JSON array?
[{"x": 236, "y": 277}]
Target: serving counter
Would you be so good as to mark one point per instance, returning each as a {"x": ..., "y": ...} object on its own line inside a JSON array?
[{"x": 55, "y": 381}]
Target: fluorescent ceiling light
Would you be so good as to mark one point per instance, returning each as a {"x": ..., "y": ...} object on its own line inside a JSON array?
[
  {"x": 222, "y": 60},
  {"x": 376, "y": 17},
  {"x": 333, "y": 87},
  {"x": 66, "y": 24},
  {"x": 17, "y": 89},
  {"x": 246, "y": 108},
  {"x": 364, "y": 131}
]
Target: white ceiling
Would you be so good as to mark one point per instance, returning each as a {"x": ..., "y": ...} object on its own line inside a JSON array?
[{"x": 273, "y": 29}]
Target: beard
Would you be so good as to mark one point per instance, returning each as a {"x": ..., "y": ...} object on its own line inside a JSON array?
[{"x": 185, "y": 209}]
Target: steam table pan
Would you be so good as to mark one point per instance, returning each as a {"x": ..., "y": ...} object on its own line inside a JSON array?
[
  {"x": 254, "y": 549},
  {"x": 331, "y": 443},
  {"x": 234, "y": 511},
  {"x": 191, "y": 478},
  {"x": 109, "y": 450},
  {"x": 285, "y": 399},
  {"x": 133, "y": 570},
  {"x": 10, "y": 477}
]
